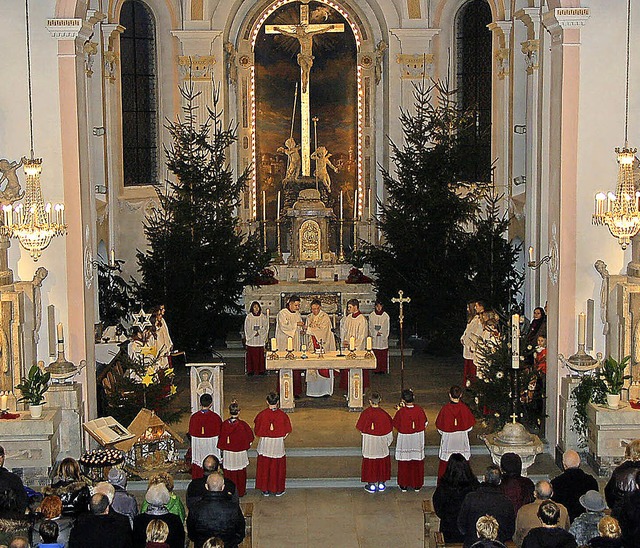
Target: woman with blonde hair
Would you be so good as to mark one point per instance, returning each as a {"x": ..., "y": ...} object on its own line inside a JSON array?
[
  {"x": 175, "y": 505},
  {"x": 610, "y": 534},
  {"x": 487, "y": 531},
  {"x": 71, "y": 487},
  {"x": 157, "y": 534}
]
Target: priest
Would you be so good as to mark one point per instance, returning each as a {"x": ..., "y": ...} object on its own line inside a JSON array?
[
  {"x": 410, "y": 421},
  {"x": 235, "y": 439},
  {"x": 379, "y": 333},
  {"x": 204, "y": 429},
  {"x": 354, "y": 326},
  {"x": 272, "y": 425},
  {"x": 454, "y": 422},
  {"x": 320, "y": 381},
  {"x": 289, "y": 325},
  {"x": 376, "y": 427}
]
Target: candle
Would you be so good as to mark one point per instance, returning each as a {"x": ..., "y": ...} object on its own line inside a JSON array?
[
  {"x": 531, "y": 254},
  {"x": 582, "y": 327},
  {"x": 113, "y": 257},
  {"x": 341, "y": 205},
  {"x": 355, "y": 205},
  {"x": 60, "y": 337},
  {"x": 352, "y": 343},
  {"x": 515, "y": 341},
  {"x": 3, "y": 401},
  {"x": 289, "y": 344},
  {"x": 369, "y": 343},
  {"x": 274, "y": 344},
  {"x": 264, "y": 205},
  {"x": 304, "y": 347},
  {"x": 268, "y": 313},
  {"x": 278, "y": 212}
]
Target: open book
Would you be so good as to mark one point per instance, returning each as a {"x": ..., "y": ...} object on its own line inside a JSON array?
[{"x": 107, "y": 430}]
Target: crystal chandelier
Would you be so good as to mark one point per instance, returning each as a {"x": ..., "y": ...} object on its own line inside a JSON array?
[
  {"x": 33, "y": 223},
  {"x": 620, "y": 211}
]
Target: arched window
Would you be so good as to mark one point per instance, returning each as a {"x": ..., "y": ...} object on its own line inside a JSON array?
[
  {"x": 473, "y": 71},
  {"x": 139, "y": 94}
]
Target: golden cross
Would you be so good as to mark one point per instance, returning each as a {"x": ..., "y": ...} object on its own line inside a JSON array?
[{"x": 401, "y": 300}]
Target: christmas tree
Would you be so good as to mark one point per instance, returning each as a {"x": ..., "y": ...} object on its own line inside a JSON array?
[
  {"x": 198, "y": 258},
  {"x": 428, "y": 219},
  {"x": 115, "y": 295}
]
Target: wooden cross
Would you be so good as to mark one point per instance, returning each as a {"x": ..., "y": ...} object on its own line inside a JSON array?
[
  {"x": 401, "y": 300},
  {"x": 304, "y": 33}
]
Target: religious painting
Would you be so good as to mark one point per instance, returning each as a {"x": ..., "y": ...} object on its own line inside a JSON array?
[{"x": 313, "y": 71}]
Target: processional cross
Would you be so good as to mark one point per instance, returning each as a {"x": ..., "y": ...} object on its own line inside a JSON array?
[
  {"x": 401, "y": 300},
  {"x": 304, "y": 33}
]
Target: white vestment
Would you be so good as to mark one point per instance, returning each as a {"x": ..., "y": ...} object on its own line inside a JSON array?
[
  {"x": 376, "y": 447},
  {"x": 271, "y": 447},
  {"x": 163, "y": 345},
  {"x": 410, "y": 446},
  {"x": 256, "y": 330},
  {"x": 354, "y": 327},
  {"x": 201, "y": 447},
  {"x": 455, "y": 442},
  {"x": 319, "y": 325},
  {"x": 235, "y": 460},
  {"x": 379, "y": 330},
  {"x": 287, "y": 326},
  {"x": 470, "y": 337}
]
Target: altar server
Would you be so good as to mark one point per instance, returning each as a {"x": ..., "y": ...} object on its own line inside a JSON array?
[
  {"x": 289, "y": 324},
  {"x": 410, "y": 421},
  {"x": 454, "y": 422},
  {"x": 379, "y": 333},
  {"x": 319, "y": 381},
  {"x": 354, "y": 324},
  {"x": 469, "y": 340},
  {"x": 204, "y": 429},
  {"x": 235, "y": 439},
  {"x": 272, "y": 425},
  {"x": 376, "y": 427},
  {"x": 256, "y": 331}
]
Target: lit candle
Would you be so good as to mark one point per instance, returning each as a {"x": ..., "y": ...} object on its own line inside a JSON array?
[
  {"x": 5, "y": 209},
  {"x": 113, "y": 257},
  {"x": 278, "y": 212},
  {"x": 4, "y": 401},
  {"x": 62, "y": 214},
  {"x": 370, "y": 203},
  {"x": 274, "y": 344},
  {"x": 352, "y": 343},
  {"x": 515, "y": 341},
  {"x": 268, "y": 313},
  {"x": 369, "y": 343},
  {"x": 355, "y": 205},
  {"x": 264, "y": 205},
  {"x": 582, "y": 327},
  {"x": 341, "y": 205},
  {"x": 531, "y": 254},
  {"x": 289, "y": 344},
  {"x": 60, "y": 337}
]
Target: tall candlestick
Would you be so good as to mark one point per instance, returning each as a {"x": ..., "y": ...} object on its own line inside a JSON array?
[
  {"x": 515, "y": 341},
  {"x": 278, "y": 212},
  {"x": 355, "y": 205},
  {"x": 289, "y": 344},
  {"x": 582, "y": 327},
  {"x": 341, "y": 204},
  {"x": 60, "y": 337},
  {"x": 369, "y": 203},
  {"x": 264, "y": 205}
]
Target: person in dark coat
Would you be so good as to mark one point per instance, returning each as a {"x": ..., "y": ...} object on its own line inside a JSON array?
[
  {"x": 216, "y": 515},
  {"x": 630, "y": 518},
  {"x": 458, "y": 481},
  {"x": 10, "y": 482},
  {"x": 13, "y": 522},
  {"x": 71, "y": 487},
  {"x": 550, "y": 535},
  {"x": 123, "y": 502},
  {"x": 157, "y": 498},
  {"x": 610, "y": 534},
  {"x": 100, "y": 528},
  {"x": 623, "y": 479},
  {"x": 487, "y": 500},
  {"x": 569, "y": 486},
  {"x": 197, "y": 488},
  {"x": 514, "y": 486}
]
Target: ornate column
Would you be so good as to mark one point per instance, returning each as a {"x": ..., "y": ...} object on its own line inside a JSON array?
[
  {"x": 72, "y": 34},
  {"x": 563, "y": 24},
  {"x": 501, "y": 105},
  {"x": 531, "y": 50}
]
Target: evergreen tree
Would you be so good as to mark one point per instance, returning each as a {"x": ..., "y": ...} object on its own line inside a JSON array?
[
  {"x": 198, "y": 259},
  {"x": 428, "y": 219}
]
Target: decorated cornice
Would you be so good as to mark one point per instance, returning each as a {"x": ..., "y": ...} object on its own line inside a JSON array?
[
  {"x": 415, "y": 66},
  {"x": 560, "y": 19},
  {"x": 196, "y": 67}
]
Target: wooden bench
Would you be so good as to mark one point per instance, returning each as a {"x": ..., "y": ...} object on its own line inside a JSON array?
[
  {"x": 247, "y": 510},
  {"x": 434, "y": 538}
]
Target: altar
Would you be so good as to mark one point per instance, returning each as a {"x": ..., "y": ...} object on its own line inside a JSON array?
[{"x": 286, "y": 366}]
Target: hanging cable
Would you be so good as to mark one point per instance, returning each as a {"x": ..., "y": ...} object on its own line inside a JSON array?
[{"x": 29, "y": 76}]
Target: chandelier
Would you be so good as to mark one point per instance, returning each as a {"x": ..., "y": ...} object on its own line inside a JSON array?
[
  {"x": 620, "y": 211},
  {"x": 33, "y": 223}
]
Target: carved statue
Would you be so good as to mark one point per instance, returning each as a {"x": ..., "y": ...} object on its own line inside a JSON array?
[
  {"x": 12, "y": 190},
  {"x": 38, "y": 278},
  {"x": 321, "y": 156},
  {"x": 230, "y": 55},
  {"x": 601, "y": 267},
  {"x": 305, "y": 37},
  {"x": 293, "y": 154},
  {"x": 380, "y": 49}
]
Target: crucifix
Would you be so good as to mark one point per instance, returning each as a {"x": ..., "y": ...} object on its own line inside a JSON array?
[
  {"x": 304, "y": 33},
  {"x": 401, "y": 301}
]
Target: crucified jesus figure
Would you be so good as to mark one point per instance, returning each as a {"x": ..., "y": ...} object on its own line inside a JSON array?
[{"x": 305, "y": 37}]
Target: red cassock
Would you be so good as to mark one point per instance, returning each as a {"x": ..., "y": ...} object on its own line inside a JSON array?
[
  {"x": 254, "y": 360},
  {"x": 236, "y": 436},
  {"x": 453, "y": 417},
  {"x": 271, "y": 472},
  {"x": 375, "y": 421},
  {"x": 202, "y": 424},
  {"x": 410, "y": 420}
]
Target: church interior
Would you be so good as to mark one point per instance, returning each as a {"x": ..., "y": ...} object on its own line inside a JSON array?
[{"x": 315, "y": 91}]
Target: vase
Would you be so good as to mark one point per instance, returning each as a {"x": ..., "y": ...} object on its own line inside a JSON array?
[
  {"x": 36, "y": 411},
  {"x": 613, "y": 401}
]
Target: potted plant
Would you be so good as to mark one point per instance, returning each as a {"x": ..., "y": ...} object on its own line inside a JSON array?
[
  {"x": 612, "y": 373},
  {"x": 33, "y": 388}
]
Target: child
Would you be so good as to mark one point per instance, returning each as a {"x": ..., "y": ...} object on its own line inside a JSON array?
[
  {"x": 376, "y": 427},
  {"x": 540, "y": 355},
  {"x": 235, "y": 438}
]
